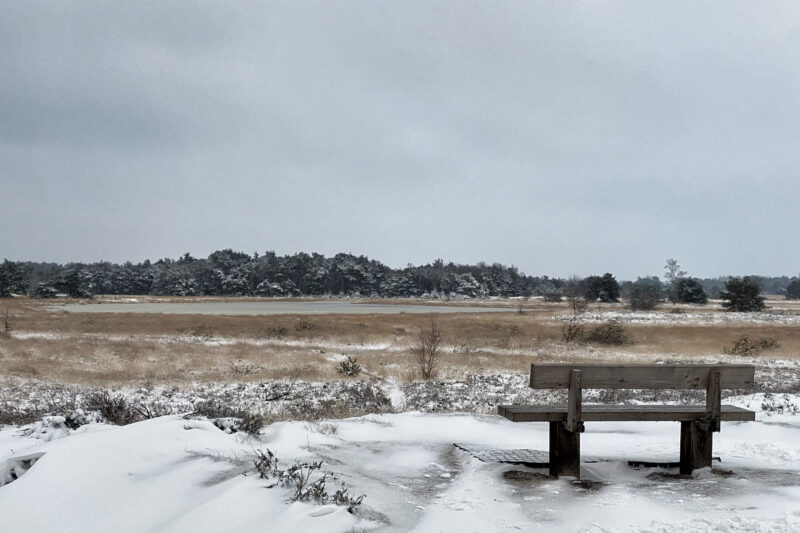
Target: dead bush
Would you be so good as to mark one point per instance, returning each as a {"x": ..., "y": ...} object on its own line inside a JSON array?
[
  {"x": 573, "y": 331},
  {"x": 427, "y": 350},
  {"x": 202, "y": 331},
  {"x": 466, "y": 348},
  {"x": 8, "y": 321},
  {"x": 274, "y": 332},
  {"x": 611, "y": 332},
  {"x": 303, "y": 325},
  {"x": 746, "y": 346}
]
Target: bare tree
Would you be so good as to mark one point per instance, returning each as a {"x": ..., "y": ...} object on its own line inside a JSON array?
[
  {"x": 574, "y": 291},
  {"x": 672, "y": 271},
  {"x": 8, "y": 321},
  {"x": 428, "y": 349},
  {"x": 673, "y": 274}
]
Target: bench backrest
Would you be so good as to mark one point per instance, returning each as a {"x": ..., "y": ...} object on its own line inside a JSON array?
[
  {"x": 712, "y": 378},
  {"x": 641, "y": 376}
]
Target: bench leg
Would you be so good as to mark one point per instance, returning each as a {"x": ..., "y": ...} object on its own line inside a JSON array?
[
  {"x": 695, "y": 447},
  {"x": 565, "y": 451}
]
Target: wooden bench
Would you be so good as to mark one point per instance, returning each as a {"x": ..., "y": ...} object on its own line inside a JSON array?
[{"x": 698, "y": 423}]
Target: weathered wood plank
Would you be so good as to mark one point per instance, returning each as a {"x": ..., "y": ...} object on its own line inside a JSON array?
[
  {"x": 599, "y": 376},
  {"x": 573, "y": 422},
  {"x": 565, "y": 451},
  {"x": 622, "y": 413},
  {"x": 695, "y": 447},
  {"x": 713, "y": 400}
]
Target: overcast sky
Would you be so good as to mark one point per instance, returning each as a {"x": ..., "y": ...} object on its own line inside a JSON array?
[{"x": 561, "y": 138}]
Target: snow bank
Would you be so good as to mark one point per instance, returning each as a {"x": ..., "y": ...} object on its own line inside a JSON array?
[
  {"x": 166, "y": 474},
  {"x": 176, "y": 475}
]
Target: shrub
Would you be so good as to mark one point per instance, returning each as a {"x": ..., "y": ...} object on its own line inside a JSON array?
[
  {"x": 689, "y": 291},
  {"x": 427, "y": 350},
  {"x": 644, "y": 294},
  {"x": 274, "y": 332},
  {"x": 115, "y": 409},
  {"x": 349, "y": 367},
  {"x": 303, "y": 325},
  {"x": 552, "y": 297},
  {"x": 611, "y": 332},
  {"x": 793, "y": 290},
  {"x": 604, "y": 288},
  {"x": 44, "y": 290},
  {"x": 242, "y": 420},
  {"x": 204, "y": 331},
  {"x": 746, "y": 346},
  {"x": 306, "y": 479},
  {"x": 742, "y": 295},
  {"x": 573, "y": 331},
  {"x": 13, "y": 415}
]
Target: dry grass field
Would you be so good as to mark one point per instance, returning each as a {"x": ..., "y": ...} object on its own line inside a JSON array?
[{"x": 48, "y": 344}]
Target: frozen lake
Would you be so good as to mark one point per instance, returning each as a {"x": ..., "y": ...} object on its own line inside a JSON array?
[{"x": 272, "y": 308}]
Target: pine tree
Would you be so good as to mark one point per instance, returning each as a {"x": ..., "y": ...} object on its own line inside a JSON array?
[{"x": 742, "y": 295}]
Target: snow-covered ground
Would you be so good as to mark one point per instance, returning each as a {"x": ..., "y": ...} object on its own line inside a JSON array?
[
  {"x": 775, "y": 317},
  {"x": 174, "y": 474}
]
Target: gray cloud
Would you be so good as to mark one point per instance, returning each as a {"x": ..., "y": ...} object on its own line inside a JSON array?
[{"x": 561, "y": 138}]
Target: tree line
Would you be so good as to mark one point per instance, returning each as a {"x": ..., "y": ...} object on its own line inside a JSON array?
[{"x": 230, "y": 273}]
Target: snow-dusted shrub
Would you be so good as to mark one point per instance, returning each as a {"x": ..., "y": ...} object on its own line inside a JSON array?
[
  {"x": 114, "y": 408},
  {"x": 230, "y": 419},
  {"x": 47, "y": 429},
  {"x": 306, "y": 479},
  {"x": 746, "y": 346},
  {"x": 12, "y": 415},
  {"x": 349, "y": 367},
  {"x": 44, "y": 290},
  {"x": 79, "y": 417}
]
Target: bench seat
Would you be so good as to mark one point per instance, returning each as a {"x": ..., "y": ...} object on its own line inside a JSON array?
[{"x": 622, "y": 413}]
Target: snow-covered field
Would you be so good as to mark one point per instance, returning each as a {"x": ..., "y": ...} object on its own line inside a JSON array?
[
  {"x": 174, "y": 474},
  {"x": 775, "y": 317},
  {"x": 64, "y": 467}
]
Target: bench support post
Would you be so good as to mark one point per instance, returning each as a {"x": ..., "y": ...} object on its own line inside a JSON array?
[
  {"x": 695, "y": 446},
  {"x": 574, "y": 422},
  {"x": 713, "y": 401},
  {"x": 565, "y": 451}
]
